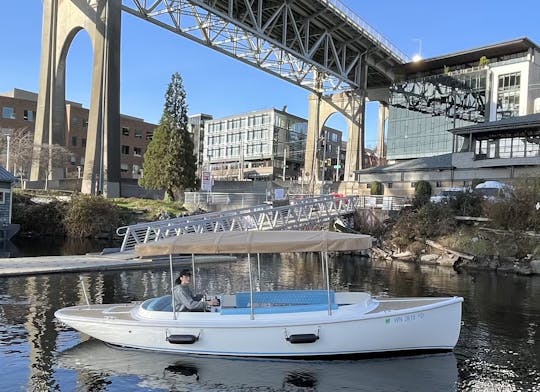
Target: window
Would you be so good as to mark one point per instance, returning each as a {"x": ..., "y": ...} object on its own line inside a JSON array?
[
  {"x": 74, "y": 120},
  {"x": 368, "y": 185},
  {"x": 149, "y": 135},
  {"x": 8, "y": 112},
  {"x": 2, "y": 197},
  {"x": 438, "y": 184},
  {"x": 137, "y": 151},
  {"x": 85, "y": 123},
  {"x": 136, "y": 170},
  {"x": 125, "y": 131},
  {"x": 124, "y": 167},
  {"x": 389, "y": 185},
  {"x": 125, "y": 150},
  {"x": 413, "y": 184},
  {"x": 83, "y": 142},
  {"x": 29, "y": 115},
  {"x": 74, "y": 141},
  {"x": 138, "y": 133},
  {"x": 73, "y": 159}
]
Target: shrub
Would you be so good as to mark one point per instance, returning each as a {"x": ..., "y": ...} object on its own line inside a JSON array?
[
  {"x": 422, "y": 192},
  {"x": 516, "y": 212},
  {"x": 376, "y": 188},
  {"x": 38, "y": 218},
  {"x": 429, "y": 222},
  {"x": 466, "y": 204},
  {"x": 91, "y": 216}
]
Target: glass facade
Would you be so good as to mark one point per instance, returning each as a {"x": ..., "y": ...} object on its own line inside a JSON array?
[
  {"x": 422, "y": 111},
  {"x": 508, "y": 95}
]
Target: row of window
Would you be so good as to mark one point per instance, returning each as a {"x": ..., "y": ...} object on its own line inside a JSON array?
[
  {"x": 137, "y": 151},
  {"x": 237, "y": 123},
  {"x": 9, "y": 113},
  {"x": 511, "y": 147}
]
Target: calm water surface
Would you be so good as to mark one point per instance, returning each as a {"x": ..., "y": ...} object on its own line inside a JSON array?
[{"x": 498, "y": 350}]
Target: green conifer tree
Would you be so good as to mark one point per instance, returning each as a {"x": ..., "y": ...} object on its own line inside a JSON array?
[{"x": 169, "y": 162}]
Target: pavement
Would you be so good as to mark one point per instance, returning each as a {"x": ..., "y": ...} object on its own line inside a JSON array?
[{"x": 90, "y": 262}]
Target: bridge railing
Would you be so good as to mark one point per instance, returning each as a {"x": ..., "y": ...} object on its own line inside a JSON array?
[{"x": 299, "y": 214}]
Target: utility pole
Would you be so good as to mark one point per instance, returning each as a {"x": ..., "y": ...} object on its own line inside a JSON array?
[{"x": 284, "y": 162}]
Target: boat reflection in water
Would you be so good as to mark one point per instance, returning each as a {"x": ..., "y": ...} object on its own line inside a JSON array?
[{"x": 99, "y": 362}]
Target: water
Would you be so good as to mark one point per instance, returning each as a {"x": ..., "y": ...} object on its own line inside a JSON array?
[{"x": 498, "y": 349}]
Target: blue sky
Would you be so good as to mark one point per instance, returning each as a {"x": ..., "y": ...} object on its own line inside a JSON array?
[{"x": 219, "y": 85}]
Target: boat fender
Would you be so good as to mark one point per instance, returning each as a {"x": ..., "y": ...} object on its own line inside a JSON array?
[
  {"x": 182, "y": 339},
  {"x": 302, "y": 338}
]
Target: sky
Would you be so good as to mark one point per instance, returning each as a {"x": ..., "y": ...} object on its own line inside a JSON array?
[{"x": 219, "y": 85}]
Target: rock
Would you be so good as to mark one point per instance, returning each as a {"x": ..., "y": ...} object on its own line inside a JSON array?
[
  {"x": 430, "y": 258},
  {"x": 448, "y": 260},
  {"x": 535, "y": 266}
]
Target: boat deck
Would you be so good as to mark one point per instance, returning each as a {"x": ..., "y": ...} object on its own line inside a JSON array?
[{"x": 388, "y": 304}]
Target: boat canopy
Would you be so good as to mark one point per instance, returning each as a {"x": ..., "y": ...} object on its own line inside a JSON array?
[{"x": 255, "y": 242}]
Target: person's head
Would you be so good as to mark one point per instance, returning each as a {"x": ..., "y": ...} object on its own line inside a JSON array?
[{"x": 184, "y": 277}]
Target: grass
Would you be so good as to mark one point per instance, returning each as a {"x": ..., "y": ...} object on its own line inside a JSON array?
[{"x": 148, "y": 209}]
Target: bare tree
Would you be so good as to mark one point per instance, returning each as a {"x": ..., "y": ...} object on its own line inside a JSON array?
[
  {"x": 20, "y": 151},
  {"x": 53, "y": 155}
]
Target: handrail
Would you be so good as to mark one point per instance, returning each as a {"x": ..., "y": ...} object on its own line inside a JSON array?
[{"x": 299, "y": 214}]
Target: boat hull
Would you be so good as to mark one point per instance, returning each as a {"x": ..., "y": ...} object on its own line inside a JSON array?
[{"x": 373, "y": 327}]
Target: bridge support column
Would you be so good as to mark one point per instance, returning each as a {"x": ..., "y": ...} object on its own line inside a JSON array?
[
  {"x": 381, "y": 146},
  {"x": 352, "y": 106},
  {"x": 62, "y": 20}
]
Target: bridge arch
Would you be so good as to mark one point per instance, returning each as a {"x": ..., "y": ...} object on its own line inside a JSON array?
[
  {"x": 62, "y": 20},
  {"x": 352, "y": 106}
]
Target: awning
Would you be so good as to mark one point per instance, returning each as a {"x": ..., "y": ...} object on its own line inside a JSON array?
[{"x": 255, "y": 242}]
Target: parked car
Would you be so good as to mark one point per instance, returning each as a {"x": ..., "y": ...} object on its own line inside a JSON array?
[
  {"x": 493, "y": 190},
  {"x": 448, "y": 194}
]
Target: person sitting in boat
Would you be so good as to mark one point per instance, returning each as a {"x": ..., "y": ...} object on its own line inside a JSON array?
[{"x": 184, "y": 299}]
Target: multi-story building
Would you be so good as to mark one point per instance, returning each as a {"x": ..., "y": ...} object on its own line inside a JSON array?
[
  {"x": 265, "y": 144},
  {"x": 437, "y": 95},
  {"x": 19, "y": 111}
]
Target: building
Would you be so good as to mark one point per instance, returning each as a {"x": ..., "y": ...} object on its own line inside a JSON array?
[
  {"x": 506, "y": 150},
  {"x": 437, "y": 95},
  {"x": 19, "y": 111},
  {"x": 265, "y": 145}
]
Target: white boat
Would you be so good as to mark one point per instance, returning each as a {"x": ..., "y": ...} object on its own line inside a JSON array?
[{"x": 286, "y": 323}]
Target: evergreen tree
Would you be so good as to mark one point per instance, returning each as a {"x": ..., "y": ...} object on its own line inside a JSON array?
[{"x": 169, "y": 162}]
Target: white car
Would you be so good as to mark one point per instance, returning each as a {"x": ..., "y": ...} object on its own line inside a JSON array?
[{"x": 447, "y": 195}]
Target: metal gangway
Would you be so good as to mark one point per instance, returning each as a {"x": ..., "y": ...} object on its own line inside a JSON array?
[{"x": 300, "y": 214}]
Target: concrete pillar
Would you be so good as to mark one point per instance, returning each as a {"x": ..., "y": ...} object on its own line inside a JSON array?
[
  {"x": 383, "y": 117},
  {"x": 62, "y": 20},
  {"x": 320, "y": 109}
]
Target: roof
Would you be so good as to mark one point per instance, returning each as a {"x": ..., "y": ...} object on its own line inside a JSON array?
[
  {"x": 517, "y": 45},
  {"x": 443, "y": 161},
  {"x": 511, "y": 123},
  {"x": 6, "y": 176},
  {"x": 255, "y": 242}
]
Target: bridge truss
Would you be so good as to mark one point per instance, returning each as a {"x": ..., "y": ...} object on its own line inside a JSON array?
[{"x": 317, "y": 44}]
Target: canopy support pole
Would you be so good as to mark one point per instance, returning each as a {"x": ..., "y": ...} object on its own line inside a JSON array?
[
  {"x": 259, "y": 269},
  {"x": 325, "y": 255},
  {"x": 172, "y": 287},
  {"x": 252, "y": 314},
  {"x": 193, "y": 272}
]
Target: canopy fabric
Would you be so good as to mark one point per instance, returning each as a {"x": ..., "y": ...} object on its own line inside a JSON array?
[{"x": 255, "y": 242}]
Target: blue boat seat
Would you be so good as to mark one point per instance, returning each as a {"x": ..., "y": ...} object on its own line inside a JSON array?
[
  {"x": 284, "y": 297},
  {"x": 162, "y": 304},
  {"x": 278, "y": 309}
]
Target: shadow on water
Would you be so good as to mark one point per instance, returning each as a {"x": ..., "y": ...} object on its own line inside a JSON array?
[
  {"x": 54, "y": 246},
  {"x": 158, "y": 370}
]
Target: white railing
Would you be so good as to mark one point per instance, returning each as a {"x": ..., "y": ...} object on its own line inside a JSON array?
[{"x": 307, "y": 213}]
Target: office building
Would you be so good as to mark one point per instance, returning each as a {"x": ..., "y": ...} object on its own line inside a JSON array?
[
  {"x": 18, "y": 110},
  {"x": 264, "y": 145},
  {"x": 196, "y": 127},
  {"x": 437, "y": 95}
]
